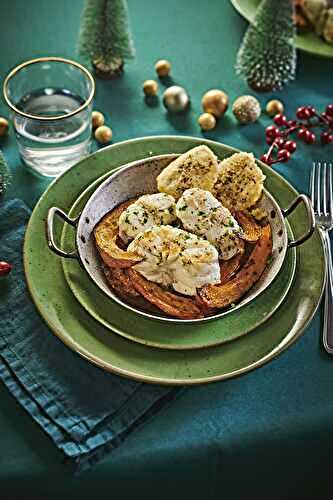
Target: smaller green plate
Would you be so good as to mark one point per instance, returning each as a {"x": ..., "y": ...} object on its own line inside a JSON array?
[
  {"x": 309, "y": 42},
  {"x": 157, "y": 334}
]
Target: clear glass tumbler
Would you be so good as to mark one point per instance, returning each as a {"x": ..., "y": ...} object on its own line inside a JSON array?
[{"x": 51, "y": 101}]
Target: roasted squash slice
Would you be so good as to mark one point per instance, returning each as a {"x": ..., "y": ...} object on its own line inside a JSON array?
[
  {"x": 122, "y": 285},
  {"x": 251, "y": 230},
  {"x": 224, "y": 295},
  {"x": 229, "y": 267},
  {"x": 170, "y": 303},
  {"x": 106, "y": 233}
]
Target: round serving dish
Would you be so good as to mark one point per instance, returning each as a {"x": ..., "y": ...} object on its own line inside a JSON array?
[{"x": 139, "y": 178}]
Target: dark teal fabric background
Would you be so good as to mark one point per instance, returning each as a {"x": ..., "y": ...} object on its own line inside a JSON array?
[{"x": 266, "y": 435}]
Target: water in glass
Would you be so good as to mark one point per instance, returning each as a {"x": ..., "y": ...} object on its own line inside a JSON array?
[{"x": 50, "y": 147}]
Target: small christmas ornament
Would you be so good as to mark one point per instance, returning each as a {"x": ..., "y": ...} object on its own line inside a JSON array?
[
  {"x": 4, "y": 126},
  {"x": 97, "y": 119},
  {"x": 278, "y": 136},
  {"x": 274, "y": 107},
  {"x": 5, "y": 268},
  {"x": 163, "y": 68},
  {"x": 267, "y": 56},
  {"x": 150, "y": 87},
  {"x": 215, "y": 102},
  {"x": 105, "y": 39},
  {"x": 103, "y": 134},
  {"x": 207, "y": 121},
  {"x": 175, "y": 99},
  {"x": 246, "y": 109}
]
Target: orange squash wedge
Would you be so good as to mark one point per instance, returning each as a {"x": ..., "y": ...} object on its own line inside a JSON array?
[{"x": 223, "y": 295}]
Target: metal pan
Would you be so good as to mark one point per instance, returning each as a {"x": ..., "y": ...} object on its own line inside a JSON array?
[{"x": 139, "y": 178}]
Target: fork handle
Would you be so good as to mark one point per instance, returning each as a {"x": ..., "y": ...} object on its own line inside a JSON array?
[{"x": 328, "y": 305}]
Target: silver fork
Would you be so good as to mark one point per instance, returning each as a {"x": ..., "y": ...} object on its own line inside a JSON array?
[{"x": 322, "y": 202}]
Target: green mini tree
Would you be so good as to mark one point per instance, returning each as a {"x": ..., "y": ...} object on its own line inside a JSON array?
[
  {"x": 267, "y": 56},
  {"x": 104, "y": 39},
  {"x": 5, "y": 175}
]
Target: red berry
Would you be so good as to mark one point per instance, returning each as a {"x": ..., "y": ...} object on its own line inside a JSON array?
[
  {"x": 329, "y": 110},
  {"x": 5, "y": 268},
  {"x": 269, "y": 140},
  {"x": 266, "y": 159},
  {"x": 280, "y": 119},
  {"x": 283, "y": 155},
  {"x": 326, "y": 138},
  {"x": 272, "y": 132},
  {"x": 300, "y": 113},
  {"x": 302, "y": 132},
  {"x": 291, "y": 123},
  {"x": 290, "y": 146},
  {"x": 309, "y": 137},
  {"x": 324, "y": 116},
  {"x": 310, "y": 111},
  {"x": 279, "y": 142}
]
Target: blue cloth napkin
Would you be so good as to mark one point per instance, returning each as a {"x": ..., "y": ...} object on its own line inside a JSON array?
[{"x": 85, "y": 411}]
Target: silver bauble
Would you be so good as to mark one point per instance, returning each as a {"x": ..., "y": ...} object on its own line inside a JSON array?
[{"x": 175, "y": 99}]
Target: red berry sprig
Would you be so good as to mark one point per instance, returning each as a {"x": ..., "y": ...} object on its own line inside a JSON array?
[
  {"x": 307, "y": 118},
  {"x": 5, "y": 268}
]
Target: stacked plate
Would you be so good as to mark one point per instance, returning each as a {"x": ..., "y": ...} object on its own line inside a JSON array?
[{"x": 121, "y": 341}]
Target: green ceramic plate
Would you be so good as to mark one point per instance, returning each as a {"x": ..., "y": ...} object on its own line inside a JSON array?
[
  {"x": 309, "y": 42},
  {"x": 79, "y": 331},
  {"x": 158, "y": 334}
]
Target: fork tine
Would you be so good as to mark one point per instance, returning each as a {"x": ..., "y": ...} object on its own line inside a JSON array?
[
  {"x": 325, "y": 182},
  {"x": 318, "y": 209},
  {"x": 330, "y": 187},
  {"x": 312, "y": 183}
]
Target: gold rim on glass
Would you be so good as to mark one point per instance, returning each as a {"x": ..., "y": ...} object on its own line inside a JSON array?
[{"x": 46, "y": 59}]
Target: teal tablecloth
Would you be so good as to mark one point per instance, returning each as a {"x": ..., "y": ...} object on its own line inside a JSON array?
[{"x": 268, "y": 434}]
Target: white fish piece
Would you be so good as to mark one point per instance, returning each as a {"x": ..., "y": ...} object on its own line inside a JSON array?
[
  {"x": 176, "y": 258},
  {"x": 202, "y": 214},
  {"x": 148, "y": 211}
]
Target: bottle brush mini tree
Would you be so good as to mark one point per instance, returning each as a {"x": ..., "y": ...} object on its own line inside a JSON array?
[
  {"x": 104, "y": 39},
  {"x": 267, "y": 56}
]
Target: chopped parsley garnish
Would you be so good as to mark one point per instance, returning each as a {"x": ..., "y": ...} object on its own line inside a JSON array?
[
  {"x": 184, "y": 207},
  {"x": 201, "y": 212}
]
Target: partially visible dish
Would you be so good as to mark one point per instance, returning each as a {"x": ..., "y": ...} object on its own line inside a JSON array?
[
  {"x": 315, "y": 15},
  {"x": 194, "y": 247}
]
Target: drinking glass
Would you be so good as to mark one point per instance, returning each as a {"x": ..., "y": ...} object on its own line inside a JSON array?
[{"x": 51, "y": 102}]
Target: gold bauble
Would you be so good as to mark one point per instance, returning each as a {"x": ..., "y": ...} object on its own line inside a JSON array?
[
  {"x": 103, "y": 134},
  {"x": 215, "y": 102},
  {"x": 150, "y": 87},
  {"x": 97, "y": 119},
  {"x": 274, "y": 107},
  {"x": 4, "y": 126},
  {"x": 207, "y": 121},
  {"x": 246, "y": 109},
  {"x": 163, "y": 67}
]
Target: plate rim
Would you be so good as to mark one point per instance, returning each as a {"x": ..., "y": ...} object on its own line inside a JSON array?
[{"x": 273, "y": 353}]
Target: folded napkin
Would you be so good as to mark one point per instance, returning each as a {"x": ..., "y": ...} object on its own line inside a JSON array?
[{"x": 50, "y": 381}]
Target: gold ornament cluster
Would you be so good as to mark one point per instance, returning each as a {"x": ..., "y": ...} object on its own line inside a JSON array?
[
  {"x": 102, "y": 133},
  {"x": 214, "y": 102}
]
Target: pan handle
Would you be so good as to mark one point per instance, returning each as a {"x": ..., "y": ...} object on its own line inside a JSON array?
[
  {"x": 53, "y": 211},
  {"x": 302, "y": 198}
]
